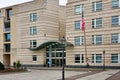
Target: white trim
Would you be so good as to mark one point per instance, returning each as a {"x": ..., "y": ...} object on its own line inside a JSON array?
[
  {"x": 95, "y": 6},
  {"x": 119, "y": 20},
  {"x": 118, "y": 38},
  {"x": 118, "y": 58},
  {"x": 119, "y": 3},
  {"x": 94, "y": 23}
]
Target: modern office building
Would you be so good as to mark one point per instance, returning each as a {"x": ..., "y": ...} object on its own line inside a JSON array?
[
  {"x": 102, "y": 33},
  {"x": 32, "y": 33}
]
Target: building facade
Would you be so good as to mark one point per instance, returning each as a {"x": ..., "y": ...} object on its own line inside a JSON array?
[
  {"x": 27, "y": 26},
  {"x": 31, "y": 33},
  {"x": 102, "y": 33}
]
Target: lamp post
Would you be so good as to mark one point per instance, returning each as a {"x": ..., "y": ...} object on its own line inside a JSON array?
[
  {"x": 63, "y": 40},
  {"x": 103, "y": 59}
]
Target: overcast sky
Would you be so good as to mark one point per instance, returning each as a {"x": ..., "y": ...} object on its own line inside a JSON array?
[{"x": 5, "y": 3}]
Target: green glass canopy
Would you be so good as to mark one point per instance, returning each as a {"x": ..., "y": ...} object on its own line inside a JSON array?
[{"x": 51, "y": 43}]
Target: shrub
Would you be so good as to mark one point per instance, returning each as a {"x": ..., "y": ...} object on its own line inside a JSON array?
[
  {"x": 1, "y": 66},
  {"x": 18, "y": 64}
]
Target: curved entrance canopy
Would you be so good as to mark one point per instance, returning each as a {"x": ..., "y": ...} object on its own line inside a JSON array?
[{"x": 51, "y": 43}]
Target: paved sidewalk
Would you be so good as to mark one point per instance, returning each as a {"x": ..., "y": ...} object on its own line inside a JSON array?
[
  {"x": 100, "y": 76},
  {"x": 114, "y": 77}
]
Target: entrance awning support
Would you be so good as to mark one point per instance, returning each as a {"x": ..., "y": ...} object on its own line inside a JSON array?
[{"x": 50, "y": 56}]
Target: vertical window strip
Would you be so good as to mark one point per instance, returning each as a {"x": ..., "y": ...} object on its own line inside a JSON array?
[{"x": 119, "y": 20}]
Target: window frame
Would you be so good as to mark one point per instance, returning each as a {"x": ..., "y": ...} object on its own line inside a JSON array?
[
  {"x": 95, "y": 4},
  {"x": 116, "y": 22},
  {"x": 94, "y": 58},
  {"x": 32, "y": 32},
  {"x": 32, "y": 45},
  {"x": 80, "y": 41},
  {"x": 34, "y": 57},
  {"x": 94, "y": 39},
  {"x": 115, "y": 6},
  {"x": 78, "y": 7},
  {"x": 94, "y": 23},
  {"x": 114, "y": 41},
  {"x": 77, "y": 25},
  {"x": 80, "y": 58},
  {"x": 33, "y": 17},
  {"x": 117, "y": 61}
]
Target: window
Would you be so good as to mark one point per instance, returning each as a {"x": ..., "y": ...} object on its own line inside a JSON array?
[
  {"x": 115, "y": 3},
  {"x": 33, "y": 43},
  {"x": 78, "y": 9},
  {"x": 115, "y": 38},
  {"x": 34, "y": 58},
  {"x": 114, "y": 58},
  {"x": 0, "y": 13},
  {"x": 79, "y": 40},
  {"x": 79, "y": 58},
  {"x": 96, "y": 39},
  {"x": 96, "y": 58},
  {"x": 115, "y": 20},
  {"x": 33, "y": 30},
  {"x": 33, "y": 17},
  {"x": 77, "y": 25},
  {"x": 97, "y": 6},
  {"x": 97, "y": 23},
  {"x": 9, "y": 13},
  {"x": 7, "y": 37}
]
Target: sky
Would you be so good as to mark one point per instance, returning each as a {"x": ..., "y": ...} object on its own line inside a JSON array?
[{"x": 5, "y": 3}]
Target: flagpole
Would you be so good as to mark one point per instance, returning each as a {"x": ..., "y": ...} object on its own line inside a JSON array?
[
  {"x": 83, "y": 29},
  {"x": 85, "y": 49}
]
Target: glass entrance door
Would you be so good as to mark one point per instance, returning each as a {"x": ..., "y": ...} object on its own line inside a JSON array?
[{"x": 57, "y": 55}]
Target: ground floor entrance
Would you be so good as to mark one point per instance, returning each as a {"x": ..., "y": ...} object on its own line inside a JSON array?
[
  {"x": 6, "y": 60},
  {"x": 55, "y": 57}
]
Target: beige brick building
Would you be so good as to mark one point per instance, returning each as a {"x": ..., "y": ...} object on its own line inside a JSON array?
[
  {"x": 31, "y": 32},
  {"x": 102, "y": 22}
]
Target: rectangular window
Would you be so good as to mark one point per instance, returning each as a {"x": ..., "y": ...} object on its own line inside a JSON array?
[
  {"x": 115, "y": 3},
  {"x": 114, "y": 58},
  {"x": 9, "y": 13},
  {"x": 115, "y": 20},
  {"x": 33, "y": 30},
  {"x": 7, "y": 37},
  {"x": 33, "y": 17},
  {"x": 115, "y": 38},
  {"x": 96, "y": 58},
  {"x": 77, "y": 25},
  {"x": 79, "y": 58},
  {"x": 0, "y": 13},
  {"x": 97, "y": 6},
  {"x": 33, "y": 43},
  {"x": 78, "y": 9},
  {"x": 97, "y": 23},
  {"x": 79, "y": 40},
  {"x": 34, "y": 57},
  {"x": 96, "y": 39}
]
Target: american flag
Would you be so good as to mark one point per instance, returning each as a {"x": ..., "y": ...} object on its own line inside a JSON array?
[{"x": 83, "y": 22}]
